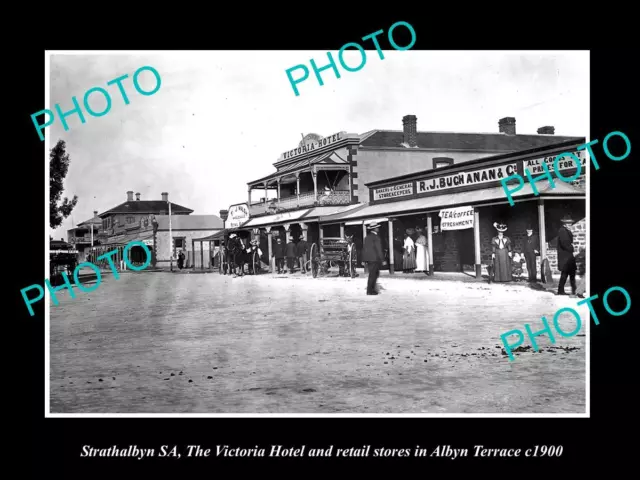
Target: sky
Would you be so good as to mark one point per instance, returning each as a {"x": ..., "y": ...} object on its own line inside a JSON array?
[{"x": 222, "y": 118}]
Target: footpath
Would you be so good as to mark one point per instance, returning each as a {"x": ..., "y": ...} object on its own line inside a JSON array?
[{"x": 385, "y": 276}]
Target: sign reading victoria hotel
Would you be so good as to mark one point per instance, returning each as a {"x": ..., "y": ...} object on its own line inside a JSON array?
[
  {"x": 464, "y": 179},
  {"x": 312, "y": 144}
]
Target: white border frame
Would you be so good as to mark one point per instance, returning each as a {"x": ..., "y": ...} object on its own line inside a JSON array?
[{"x": 47, "y": 296}]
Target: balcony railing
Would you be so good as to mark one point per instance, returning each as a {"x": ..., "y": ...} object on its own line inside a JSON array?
[
  {"x": 307, "y": 199},
  {"x": 82, "y": 239}
]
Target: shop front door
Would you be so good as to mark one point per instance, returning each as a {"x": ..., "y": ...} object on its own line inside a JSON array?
[{"x": 466, "y": 248}]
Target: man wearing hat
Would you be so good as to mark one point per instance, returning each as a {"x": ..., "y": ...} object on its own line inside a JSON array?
[
  {"x": 372, "y": 254},
  {"x": 566, "y": 260},
  {"x": 301, "y": 249},
  {"x": 278, "y": 253},
  {"x": 290, "y": 252},
  {"x": 531, "y": 249}
]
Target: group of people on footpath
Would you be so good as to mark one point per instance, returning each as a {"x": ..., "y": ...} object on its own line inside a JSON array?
[
  {"x": 502, "y": 255},
  {"x": 295, "y": 253},
  {"x": 415, "y": 255}
]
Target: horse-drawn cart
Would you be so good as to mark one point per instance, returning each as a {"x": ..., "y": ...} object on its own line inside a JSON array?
[
  {"x": 331, "y": 253},
  {"x": 233, "y": 255}
]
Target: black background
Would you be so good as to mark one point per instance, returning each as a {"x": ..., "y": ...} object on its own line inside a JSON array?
[{"x": 54, "y": 445}]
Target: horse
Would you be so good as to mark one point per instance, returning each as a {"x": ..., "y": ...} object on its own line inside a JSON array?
[{"x": 237, "y": 255}]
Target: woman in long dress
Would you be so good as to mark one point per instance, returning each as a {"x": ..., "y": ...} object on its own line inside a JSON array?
[
  {"x": 409, "y": 257},
  {"x": 502, "y": 252},
  {"x": 422, "y": 254}
]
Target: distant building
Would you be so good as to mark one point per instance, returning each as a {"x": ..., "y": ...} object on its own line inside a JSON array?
[
  {"x": 184, "y": 229},
  {"x": 148, "y": 221},
  {"x": 82, "y": 235}
]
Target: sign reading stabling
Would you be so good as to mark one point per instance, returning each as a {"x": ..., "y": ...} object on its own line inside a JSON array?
[
  {"x": 392, "y": 192},
  {"x": 238, "y": 215},
  {"x": 456, "y": 218},
  {"x": 565, "y": 163},
  {"x": 464, "y": 179}
]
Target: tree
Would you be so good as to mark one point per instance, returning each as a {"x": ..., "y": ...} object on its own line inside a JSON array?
[{"x": 58, "y": 168}]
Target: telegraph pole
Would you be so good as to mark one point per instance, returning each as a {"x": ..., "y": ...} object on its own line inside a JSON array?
[{"x": 170, "y": 237}]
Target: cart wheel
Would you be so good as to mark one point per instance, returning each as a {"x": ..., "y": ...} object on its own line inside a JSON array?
[
  {"x": 353, "y": 260},
  {"x": 313, "y": 258},
  {"x": 256, "y": 262}
]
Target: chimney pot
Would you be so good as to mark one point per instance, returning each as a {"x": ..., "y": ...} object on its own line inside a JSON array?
[
  {"x": 95, "y": 213},
  {"x": 548, "y": 130},
  {"x": 129, "y": 196},
  {"x": 507, "y": 125},
  {"x": 165, "y": 197},
  {"x": 410, "y": 130},
  {"x": 137, "y": 196}
]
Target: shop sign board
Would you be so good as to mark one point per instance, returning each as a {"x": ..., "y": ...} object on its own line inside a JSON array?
[
  {"x": 458, "y": 218},
  {"x": 394, "y": 191},
  {"x": 465, "y": 179},
  {"x": 238, "y": 215},
  {"x": 534, "y": 166},
  {"x": 312, "y": 143}
]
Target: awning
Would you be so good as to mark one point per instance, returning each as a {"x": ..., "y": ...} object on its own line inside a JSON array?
[
  {"x": 284, "y": 217},
  {"x": 219, "y": 235},
  {"x": 317, "y": 212},
  {"x": 436, "y": 202}
]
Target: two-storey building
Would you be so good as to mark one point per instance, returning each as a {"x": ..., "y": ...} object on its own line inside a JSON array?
[
  {"x": 148, "y": 221},
  {"x": 457, "y": 206},
  {"x": 85, "y": 235},
  {"x": 330, "y": 175}
]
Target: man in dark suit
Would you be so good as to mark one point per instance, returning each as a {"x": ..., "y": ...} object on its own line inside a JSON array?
[
  {"x": 566, "y": 260},
  {"x": 291, "y": 254},
  {"x": 301, "y": 250},
  {"x": 531, "y": 249},
  {"x": 279, "y": 254},
  {"x": 372, "y": 254}
]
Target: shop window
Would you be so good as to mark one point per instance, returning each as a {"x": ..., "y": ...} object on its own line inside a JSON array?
[{"x": 440, "y": 162}]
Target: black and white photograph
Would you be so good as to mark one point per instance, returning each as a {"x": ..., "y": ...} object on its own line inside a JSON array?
[{"x": 249, "y": 233}]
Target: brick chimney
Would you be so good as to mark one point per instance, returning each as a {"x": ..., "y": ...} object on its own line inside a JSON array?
[
  {"x": 410, "y": 128},
  {"x": 165, "y": 197},
  {"x": 548, "y": 130},
  {"x": 138, "y": 197},
  {"x": 130, "y": 196},
  {"x": 507, "y": 125}
]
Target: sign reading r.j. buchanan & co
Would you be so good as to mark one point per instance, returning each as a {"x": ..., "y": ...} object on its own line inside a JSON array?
[
  {"x": 392, "y": 192},
  {"x": 464, "y": 179}
]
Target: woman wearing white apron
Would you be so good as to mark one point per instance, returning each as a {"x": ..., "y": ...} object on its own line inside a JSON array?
[
  {"x": 409, "y": 257},
  {"x": 422, "y": 254}
]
